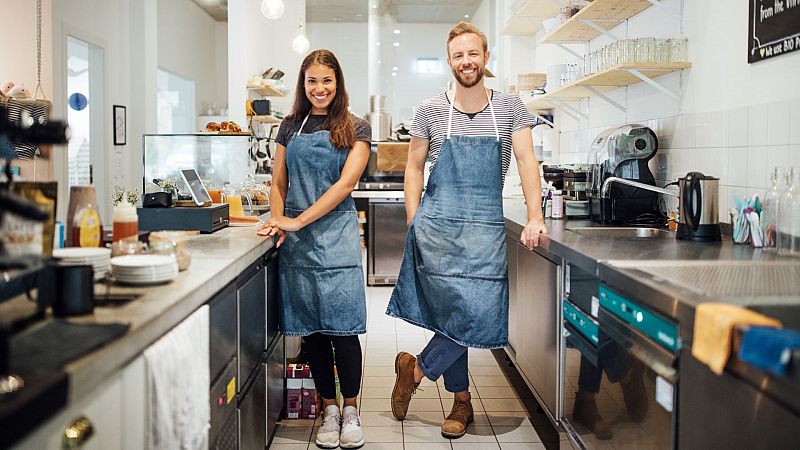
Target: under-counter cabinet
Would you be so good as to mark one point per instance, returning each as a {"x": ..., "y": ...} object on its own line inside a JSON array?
[
  {"x": 534, "y": 318},
  {"x": 113, "y": 416}
]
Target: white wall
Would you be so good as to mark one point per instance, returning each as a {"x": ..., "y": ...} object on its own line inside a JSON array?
[
  {"x": 256, "y": 43},
  {"x": 348, "y": 41},
  {"x": 188, "y": 46},
  {"x": 735, "y": 120}
]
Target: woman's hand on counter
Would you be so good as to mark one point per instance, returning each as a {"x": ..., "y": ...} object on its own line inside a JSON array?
[
  {"x": 531, "y": 232},
  {"x": 269, "y": 229}
]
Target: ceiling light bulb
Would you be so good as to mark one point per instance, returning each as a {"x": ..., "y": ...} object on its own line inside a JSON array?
[
  {"x": 396, "y": 31},
  {"x": 378, "y": 43},
  {"x": 395, "y": 68},
  {"x": 466, "y": 16},
  {"x": 300, "y": 44},
  {"x": 272, "y": 9},
  {"x": 397, "y": 44}
]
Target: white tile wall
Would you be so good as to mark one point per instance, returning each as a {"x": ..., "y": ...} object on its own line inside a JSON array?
[{"x": 740, "y": 146}]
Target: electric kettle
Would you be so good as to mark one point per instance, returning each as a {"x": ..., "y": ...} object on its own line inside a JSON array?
[{"x": 699, "y": 208}]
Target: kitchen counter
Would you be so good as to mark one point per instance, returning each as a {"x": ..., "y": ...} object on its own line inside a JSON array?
[
  {"x": 217, "y": 259},
  {"x": 619, "y": 262}
]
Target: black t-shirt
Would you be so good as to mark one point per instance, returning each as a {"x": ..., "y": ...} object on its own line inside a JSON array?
[{"x": 288, "y": 128}]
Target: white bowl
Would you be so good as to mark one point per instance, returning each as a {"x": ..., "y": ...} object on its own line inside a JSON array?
[{"x": 551, "y": 23}]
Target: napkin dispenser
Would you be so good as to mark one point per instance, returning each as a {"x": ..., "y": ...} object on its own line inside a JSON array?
[{"x": 206, "y": 219}]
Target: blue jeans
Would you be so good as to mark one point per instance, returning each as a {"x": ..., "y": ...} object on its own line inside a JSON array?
[{"x": 443, "y": 356}]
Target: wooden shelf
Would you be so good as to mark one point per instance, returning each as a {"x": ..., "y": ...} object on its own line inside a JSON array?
[
  {"x": 604, "y": 13},
  {"x": 608, "y": 79},
  {"x": 266, "y": 91},
  {"x": 528, "y": 18}
]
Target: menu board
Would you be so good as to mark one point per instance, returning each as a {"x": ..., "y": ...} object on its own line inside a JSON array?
[{"x": 774, "y": 28}]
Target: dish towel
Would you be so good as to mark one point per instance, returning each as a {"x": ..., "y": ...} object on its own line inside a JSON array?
[
  {"x": 713, "y": 329},
  {"x": 178, "y": 380},
  {"x": 769, "y": 348}
]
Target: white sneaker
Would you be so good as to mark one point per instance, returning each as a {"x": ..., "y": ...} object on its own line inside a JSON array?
[
  {"x": 352, "y": 434},
  {"x": 328, "y": 433}
]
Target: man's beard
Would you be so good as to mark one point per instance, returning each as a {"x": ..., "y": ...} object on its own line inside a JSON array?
[{"x": 479, "y": 70}]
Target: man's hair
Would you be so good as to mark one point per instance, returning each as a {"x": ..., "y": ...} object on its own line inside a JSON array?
[{"x": 463, "y": 28}]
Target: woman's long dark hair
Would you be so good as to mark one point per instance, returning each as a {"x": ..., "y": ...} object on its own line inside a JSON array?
[{"x": 339, "y": 121}]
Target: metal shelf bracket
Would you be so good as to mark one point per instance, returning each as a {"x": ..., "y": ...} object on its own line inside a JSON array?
[
  {"x": 569, "y": 50},
  {"x": 654, "y": 83},
  {"x": 543, "y": 119},
  {"x": 606, "y": 98},
  {"x": 570, "y": 111},
  {"x": 600, "y": 29}
]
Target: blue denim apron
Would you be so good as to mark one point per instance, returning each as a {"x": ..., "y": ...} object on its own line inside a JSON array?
[
  {"x": 454, "y": 275},
  {"x": 321, "y": 277}
]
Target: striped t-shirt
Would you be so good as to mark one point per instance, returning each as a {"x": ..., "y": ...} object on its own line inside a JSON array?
[{"x": 430, "y": 122}]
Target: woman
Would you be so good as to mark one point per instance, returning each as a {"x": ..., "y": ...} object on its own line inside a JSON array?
[{"x": 321, "y": 152}]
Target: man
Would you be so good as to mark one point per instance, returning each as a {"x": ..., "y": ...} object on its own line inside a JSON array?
[{"x": 454, "y": 277}]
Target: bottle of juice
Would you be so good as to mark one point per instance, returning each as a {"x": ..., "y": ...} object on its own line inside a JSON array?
[{"x": 126, "y": 222}]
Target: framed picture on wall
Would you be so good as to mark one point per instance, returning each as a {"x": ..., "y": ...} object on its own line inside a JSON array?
[{"x": 119, "y": 125}]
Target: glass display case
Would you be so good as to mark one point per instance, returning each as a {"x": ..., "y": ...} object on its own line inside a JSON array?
[{"x": 220, "y": 159}]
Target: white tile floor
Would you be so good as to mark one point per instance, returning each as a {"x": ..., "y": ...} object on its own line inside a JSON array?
[{"x": 500, "y": 417}]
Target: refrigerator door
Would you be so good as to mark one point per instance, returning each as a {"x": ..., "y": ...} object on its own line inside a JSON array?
[
  {"x": 275, "y": 370},
  {"x": 253, "y": 413},
  {"x": 251, "y": 308}
]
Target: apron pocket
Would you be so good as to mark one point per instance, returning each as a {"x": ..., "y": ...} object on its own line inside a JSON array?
[
  {"x": 329, "y": 242},
  {"x": 450, "y": 247}
]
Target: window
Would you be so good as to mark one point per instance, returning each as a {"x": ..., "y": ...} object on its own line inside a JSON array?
[{"x": 176, "y": 110}]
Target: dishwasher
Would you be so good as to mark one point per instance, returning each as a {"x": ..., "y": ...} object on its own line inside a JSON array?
[{"x": 620, "y": 369}]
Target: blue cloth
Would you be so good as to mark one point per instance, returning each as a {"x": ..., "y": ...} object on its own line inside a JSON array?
[
  {"x": 321, "y": 277},
  {"x": 444, "y": 357},
  {"x": 769, "y": 348},
  {"x": 454, "y": 275}
]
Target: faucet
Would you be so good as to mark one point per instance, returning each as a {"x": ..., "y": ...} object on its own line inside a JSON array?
[{"x": 609, "y": 180}]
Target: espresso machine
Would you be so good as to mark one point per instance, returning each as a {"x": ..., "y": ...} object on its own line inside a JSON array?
[{"x": 623, "y": 153}]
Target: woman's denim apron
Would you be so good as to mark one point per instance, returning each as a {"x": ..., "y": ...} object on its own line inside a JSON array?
[
  {"x": 454, "y": 275},
  {"x": 321, "y": 279}
]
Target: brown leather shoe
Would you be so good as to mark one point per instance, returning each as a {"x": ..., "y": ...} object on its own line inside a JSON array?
[
  {"x": 455, "y": 425},
  {"x": 585, "y": 412},
  {"x": 404, "y": 385}
]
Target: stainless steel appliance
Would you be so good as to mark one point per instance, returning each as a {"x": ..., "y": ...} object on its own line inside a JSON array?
[
  {"x": 386, "y": 217},
  {"x": 222, "y": 368},
  {"x": 699, "y": 210},
  {"x": 379, "y": 120},
  {"x": 623, "y": 153},
  {"x": 620, "y": 373}
]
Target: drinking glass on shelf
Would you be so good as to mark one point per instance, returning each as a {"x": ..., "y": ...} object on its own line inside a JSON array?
[
  {"x": 645, "y": 49},
  {"x": 678, "y": 49}
]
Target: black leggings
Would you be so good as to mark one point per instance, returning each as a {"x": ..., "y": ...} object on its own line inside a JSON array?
[{"x": 320, "y": 351}]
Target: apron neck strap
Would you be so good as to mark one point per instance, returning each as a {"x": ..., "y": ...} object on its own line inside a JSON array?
[
  {"x": 453, "y": 106},
  {"x": 303, "y": 124}
]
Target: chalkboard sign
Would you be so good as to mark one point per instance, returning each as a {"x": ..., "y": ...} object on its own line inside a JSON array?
[{"x": 774, "y": 28}]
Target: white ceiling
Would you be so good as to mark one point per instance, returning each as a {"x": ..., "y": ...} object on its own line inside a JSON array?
[{"x": 405, "y": 11}]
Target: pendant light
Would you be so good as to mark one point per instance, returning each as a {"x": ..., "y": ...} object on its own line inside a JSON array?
[
  {"x": 272, "y": 9},
  {"x": 300, "y": 44}
]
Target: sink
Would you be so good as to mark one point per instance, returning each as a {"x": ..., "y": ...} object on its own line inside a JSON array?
[{"x": 623, "y": 232}]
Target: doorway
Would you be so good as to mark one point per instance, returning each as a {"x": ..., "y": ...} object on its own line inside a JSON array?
[{"x": 85, "y": 75}]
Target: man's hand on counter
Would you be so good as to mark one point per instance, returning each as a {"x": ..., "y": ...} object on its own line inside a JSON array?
[{"x": 530, "y": 234}]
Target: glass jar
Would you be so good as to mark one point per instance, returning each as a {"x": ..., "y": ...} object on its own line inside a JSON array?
[
  {"x": 788, "y": 230},
  {"x": 626, "y": 51},
  {"x": 125, "y": 222},
  {"x": 645, "y": 49},
  {"x": 127, "y": 246},
  {"x": 678, "y": 49},
  {"x": 769, "y": 208},
  {"x": 661, "y": 51},
  {"x": 177, "y": 240}
]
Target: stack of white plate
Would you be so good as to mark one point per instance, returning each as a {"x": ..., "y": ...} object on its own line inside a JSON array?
[
  {"x": 96, "y": 257},
  {"x": 144, "y": 269}
]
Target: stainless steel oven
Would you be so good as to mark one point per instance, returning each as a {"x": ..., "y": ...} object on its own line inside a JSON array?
[
  {"x": 620, "y": 372},
  {"x": 386, "y": 218}
]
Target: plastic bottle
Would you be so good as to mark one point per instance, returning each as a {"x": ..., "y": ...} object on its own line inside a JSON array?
[
  {"x": 126, "y": 222},
  {"x": 557, "y": 209},
  {"x": 87, "y": 229}
]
